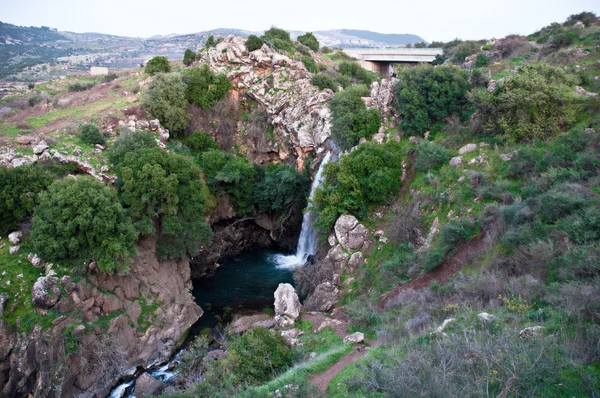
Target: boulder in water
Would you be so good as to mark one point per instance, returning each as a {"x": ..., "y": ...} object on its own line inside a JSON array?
[
  {"x": 147, "y": 386},
  {"x": 287, "y": 306}
]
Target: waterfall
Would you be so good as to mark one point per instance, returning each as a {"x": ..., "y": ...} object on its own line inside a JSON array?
[{"x": 308, "y": 241}]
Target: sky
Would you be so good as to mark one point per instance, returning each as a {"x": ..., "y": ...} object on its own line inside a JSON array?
[{"x": 431, "y": 19}]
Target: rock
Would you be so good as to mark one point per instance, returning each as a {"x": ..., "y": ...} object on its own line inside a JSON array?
[
  {"x": 163, "y": 135},
  {"x": 331, "y": 239},
  {"x": 356, "y": 260},
  {"x": 351, "y": 235},
  {"x": 329, "y": 323},
  {"x": 45, "y": 292},
  {"x": 290, "y": 336},
  {"x": 78, "y": 330},
  {"x": 154, "y": 124},
  {"x": 505, "y": 157},
  {"x": 40, "y": 147},
  {"x": 35, "y": 260},
  {"x": 288, "y": 390},
  {"x": 467, "y": 148},
  {"x": 245, "y": 323},
  {"x": 354, "y": 338},
  {"x": 216, "y": 355},
  {"x": 65, "y": 304},
  {"x": 492, "y": 85},
  {"x": 418, "y": 324},
  {"x": 14, "y": 249},
  {"x": 456, "y": 161},
  {"x": 486, "y": 317},
  {"x": 325, "y": 296},
  {"x": 531, "y": 331},
  {"x": 3, "y": 300},
  {"x": 440, "y": 329},
  {"x": 15, "y": 237},
  {"x": 481, "y": 159},
  {"x": 147, "y": 386},
  {"x": 287, "y": 306}
]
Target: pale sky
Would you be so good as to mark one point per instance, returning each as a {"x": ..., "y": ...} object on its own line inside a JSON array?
[{"x": 431, "y": 19}]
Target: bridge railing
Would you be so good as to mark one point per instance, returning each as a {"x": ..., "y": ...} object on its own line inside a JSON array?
[{"x": 394, "y": 50}]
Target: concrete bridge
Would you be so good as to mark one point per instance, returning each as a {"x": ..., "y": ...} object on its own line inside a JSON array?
[{"x": 380, "y": 60}]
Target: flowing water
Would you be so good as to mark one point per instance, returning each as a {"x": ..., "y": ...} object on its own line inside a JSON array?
[{"x": 308, "y": 240}]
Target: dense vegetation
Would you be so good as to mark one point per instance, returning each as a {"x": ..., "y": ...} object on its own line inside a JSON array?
[
  {"x": 158, "y": 65},
  {"x": 166, "y": 100},
  {"x": 204, "y": 88}
]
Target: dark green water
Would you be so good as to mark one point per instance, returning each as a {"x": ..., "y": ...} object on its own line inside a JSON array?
[{"x": 243, "y": 284}]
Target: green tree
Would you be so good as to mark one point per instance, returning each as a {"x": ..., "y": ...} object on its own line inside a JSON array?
[
  {"x": 281, "y": 188},
  {"x": 130, "y": 142},
  {"x": 310, "y": 41},
  {"x": 201, "y": 141},
  {"x": 253, "y": 43},
  {"x": 210, "y": 42},
  {"x": 310, "y": 63},
  {"x": 90, "y": 134},
  {"x": 165, "y": 100},
  {"x": 81, "y": 219},
  {"x": 165, "y": 197},
  {"x": 426, "y": 95},
  {"x": 158, "y": 65},
  {"x": 279, "y": 38},
  {"x": 356, "y": 72},
  {"x": 351, "y": 120},
  {"x": 19, "y": 193},
  {"x": 204, "y": 88},
  {"x": 323, "y": 81},
  {"x": 188, "y": 57}
]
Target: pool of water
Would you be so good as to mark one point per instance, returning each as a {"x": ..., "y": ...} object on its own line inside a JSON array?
[{"x": 243, "y": 284}]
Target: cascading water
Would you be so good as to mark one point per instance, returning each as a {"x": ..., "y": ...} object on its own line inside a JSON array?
[{"x": 308, "y": 241}]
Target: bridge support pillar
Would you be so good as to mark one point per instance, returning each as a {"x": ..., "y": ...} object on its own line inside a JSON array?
[{"x": 383, "y": 68}]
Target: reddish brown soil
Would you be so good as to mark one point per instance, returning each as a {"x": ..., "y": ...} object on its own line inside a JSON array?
[{"x": 322, "y": 380}]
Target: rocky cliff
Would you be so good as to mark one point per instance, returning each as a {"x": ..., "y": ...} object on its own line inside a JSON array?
[{"x": 108, "y": 327}]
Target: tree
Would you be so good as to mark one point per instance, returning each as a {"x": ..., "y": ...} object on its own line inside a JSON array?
[
  {"x": 310, "y": 64},
  {"x": 130, "y": 142},
  {"x": 356, "y": 72},
  {"x": 253, "y": 43},
  {"x": 351, "y": 120},
  {"x": 90, "y": 134},
  {"x": 188, "y": 57},
  {"x": 310, "y": 41},
  {"x": 204, "y": 88},
  {"x": 201, "y": 141},
  {"x": 279, "y": 38},
  {"x": 19, "y": 193},
  {"x": 281, "y": 188},
  {"x": 158, "y": 65},
  {"x": 165, "y": 100},
  {"x": 210, "y": 42},
  {"x": 80, "y": 219},
  {"x": 425, "y": 95}
]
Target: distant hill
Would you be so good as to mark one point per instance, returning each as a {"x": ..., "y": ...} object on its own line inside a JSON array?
[{"x": 393, "y": 38}]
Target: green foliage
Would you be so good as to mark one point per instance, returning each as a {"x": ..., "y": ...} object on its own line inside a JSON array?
[
  {"x": 19, "y": 194},
  {"x": 458, "y": 231},
  {"x": 158, "y": 64},
  {"x": 487, "y": 47},
  {"x": 323, "y": 81},
  {"x": 356, "y": 72},
  {"x": 281, "y": 188},
  {"x": 326, "y": 50},
  {"x": 229, "y": 174},
  {"x": 430, "y": 155},
  {"x": 210, "y": 42},
  {"x": 310, "y": 41},
  {"x": 80, "y": 219},
  {"x": 482, "y": 60},
  {"x": 166, "y": 101},
  {"x": 204, "y": 88},
  {"x": 165, "y": 197},
  {"x": 368, "y": 175},
  {"x": 535, "y": 102},
  {"x": 129, "y": 142},
  {"x": 425, "y": 95},
  {"x": 310, "y": 63},
  {"x": 351, "y": 120},
  {"x": 33, "y": 101},
  {"x": 110, "y": 77},
  {"x": 253, "y": 42},
  {"x": 279, "y": 38},
  {"x": 201, "y": 141},
  {"x": 90, "y": 134},
  {"x": 81, "y": 86},
  {"x": 188, "y": 57},
  {"x": 463, "y": 50}
]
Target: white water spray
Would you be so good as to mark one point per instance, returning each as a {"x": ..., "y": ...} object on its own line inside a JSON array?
[{"x": 308, "y": 241}]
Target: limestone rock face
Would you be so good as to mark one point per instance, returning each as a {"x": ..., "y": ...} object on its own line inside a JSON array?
[
  {"x": 45, "y": 292},
  {"x": 325, "y": 296},
  {"x": 382, "y": 96},
  {"x": 354, "y": 338},
  {"x": 351, "y": 235},
  {"x": 287, "y": 306},
  {"x": 147, "y": 386}
]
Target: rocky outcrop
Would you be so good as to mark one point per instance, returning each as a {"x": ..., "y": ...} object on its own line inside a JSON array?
[
  {"x": 119, "y": 322},
  {"x": 244, "y": 323},
  {"x": 351, "y": 235},
  {"x": 325, "y": 296},
  {"x": 287, "y": 306},
  {"x": 354, "y": 338}
]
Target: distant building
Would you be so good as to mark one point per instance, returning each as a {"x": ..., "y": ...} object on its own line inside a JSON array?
[{"x": 98, "y": 70}]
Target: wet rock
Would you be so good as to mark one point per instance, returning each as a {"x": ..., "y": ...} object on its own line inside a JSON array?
[
  {"x": 147, "y": 386},
  {"x": 45, "y": 292},
  {"x": 325, "y": 296},
  {"x": 354, "y": 338},
  {"x": 287, "y": 306}
]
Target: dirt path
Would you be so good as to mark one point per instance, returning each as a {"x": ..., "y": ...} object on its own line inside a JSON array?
[{"x": 322, "y": 380}]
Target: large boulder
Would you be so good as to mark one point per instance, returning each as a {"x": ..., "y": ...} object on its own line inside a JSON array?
[
  {"x": 354, "y": 338},
  {"x": 15, "y": 237},
  {"x": 287, "y": 306},
  {"x": 247, "y": 322},
  {"x": 325, "y": 296},
  {"x": 45, "y": 292},
  {"x": 147, "y": 386},
  {"x": 351, "y": 235}
]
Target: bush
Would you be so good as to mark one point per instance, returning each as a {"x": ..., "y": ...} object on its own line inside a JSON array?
[
  {"x": 535, "y": 102},
  {"x": 110, "y": 77},
  {"x": 201, "y": 141},
  {"x": 166, "y": 101},
  {"x": 310, "y": 63},
  {"x": 368, "y": 175},
  {"x": 463, "y": 50},
  {"x": 326, "y": 50},
  {"x": 158, "y": 64},
  {"x": 351, "y": 120},
  {"x": 426, "y": 95},
  {"x": 310, "y": 41},
  {"x": 33, "y": 101},
  {"x": 279, "y": 38},
  {"x": 19, "y": 193},
  {"x": 430, "y": 155},
  {"x": 90, "y": 134},
  {"x": 129, "y": 142},
  {"x": 356, "y": 72},
  {"x": 165, "y": 197},
  {"x": 188, "y": 57},
  {"x": 323, "y": 81},
  {"x": 458, "y": 231},
  {"x": 253, "y": 42},
  {"x": 281, "y": 189},
  {"x": 80, "y": 219},
  {"x": 204, "y": 88},
  {"x": 210, "y": 42},
  {"x": 482, "y": 60},
  {"x": 81, "y": 86}
]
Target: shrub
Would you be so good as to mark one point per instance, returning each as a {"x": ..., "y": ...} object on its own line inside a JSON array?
[
  {"x": 463, "y": 50},
  {"x": 310, "y": 41},
  {"x": 165, "y": 197},
  {"x": 326, "y": 50},
  {"x": 425, "y": 95},
  {"x": 563, "y": 39},
  {"x": 81, "y": 219},
  {"x": 356, "y": 72},
  {"x": 429, "y": 155},
  {"x": 351, "y": 120},
  {"x": 130, "y": 142},
  {"x": 253, "y": 42},
  {"x": 487, "y": 47},
  {"x": 33, "y": 101},
  {"x": 204, "y": 88},
  {"x": 279, "y": 38},
  {"x": 90, "y": 134},
  {"x": 188, "y": 57},
  {"x": 201, "y": 141},
  {"x": 19, "y": 193},
  {"x": 210, "y": 42},
  {"x": 458, "y": 231},
  {"x": 310, "y": 63},
  {"x": 281, "y": 189},
  {"x": 482, "y": 60},
  {"x": 158, "y": 64},
  {"x": 535, "y": 102},
  {"x": 165, "y": 100},
  {"x": 323, "y": 81},
  {"x": 110, "y": 77},
  {"x": 81, "y": 86}
]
